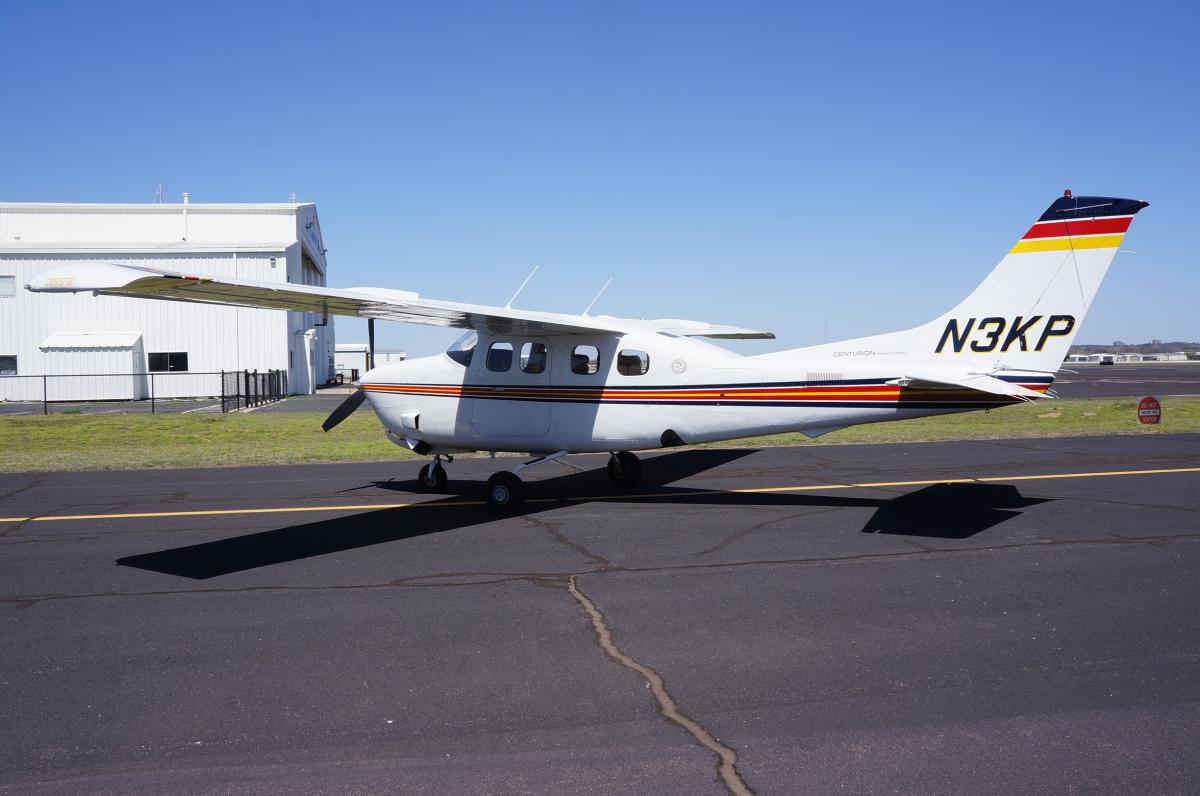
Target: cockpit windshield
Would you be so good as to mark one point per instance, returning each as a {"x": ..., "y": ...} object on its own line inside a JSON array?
[{"x": 462, "y": 348}]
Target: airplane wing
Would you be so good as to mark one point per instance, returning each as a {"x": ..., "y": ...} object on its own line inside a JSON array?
[
  {"x": 981, "y": 382},
  {"x": 111, "y": 279}
]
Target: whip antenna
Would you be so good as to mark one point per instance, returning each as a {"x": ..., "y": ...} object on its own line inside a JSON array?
[
  {"x": 598, "y": 295},
  {"x": 508, "y": 306}
]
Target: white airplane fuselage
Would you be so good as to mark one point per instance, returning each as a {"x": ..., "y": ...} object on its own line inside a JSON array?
[
  {"x": 691, "y": 392},
  {"x": 553, "y": 383}
]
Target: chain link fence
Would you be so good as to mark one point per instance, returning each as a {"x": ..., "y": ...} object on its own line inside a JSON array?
[{"x": 116, "y": 393}]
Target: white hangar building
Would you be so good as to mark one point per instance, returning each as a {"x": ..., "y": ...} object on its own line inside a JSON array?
[{"x": 84, "y": 334}]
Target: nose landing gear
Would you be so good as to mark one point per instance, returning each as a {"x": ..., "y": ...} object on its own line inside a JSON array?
[{"x": 432, "y": 476}]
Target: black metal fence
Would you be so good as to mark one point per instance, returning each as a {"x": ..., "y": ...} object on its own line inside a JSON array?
[
  {"x": 245, "y": 389},
  {"x": 113, "y": 393}
]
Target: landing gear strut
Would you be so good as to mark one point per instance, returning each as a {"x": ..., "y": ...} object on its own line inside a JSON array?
[
  {"x": 432, "y": 477},
  {"x": 505, "y": 492},
  {"x": 624, "y": 469}
]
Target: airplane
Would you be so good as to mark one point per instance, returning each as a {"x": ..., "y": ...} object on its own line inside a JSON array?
[{"x": 551, "y": 384}]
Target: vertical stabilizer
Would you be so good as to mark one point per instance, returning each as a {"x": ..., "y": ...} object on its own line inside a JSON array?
[{"x": 1025, "y": 314}]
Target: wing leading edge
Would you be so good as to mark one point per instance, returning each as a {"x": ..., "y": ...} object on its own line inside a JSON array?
[{"x": 112, "y": 279}]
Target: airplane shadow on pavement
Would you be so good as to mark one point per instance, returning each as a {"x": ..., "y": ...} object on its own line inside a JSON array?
[{"x": 944, "y": 511}]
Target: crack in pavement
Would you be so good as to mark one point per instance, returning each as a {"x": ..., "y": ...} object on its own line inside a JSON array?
[
  {"x": 555, "y": 531},
  {"x": 36, "y": 481},
  {"x": 743, "y": 532},
  {"x": 726, "y": 757}
]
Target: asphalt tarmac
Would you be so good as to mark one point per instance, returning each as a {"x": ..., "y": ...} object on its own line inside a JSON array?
[
  {"x": 972, "y": 617},
  {"x": 1133, "y": 380}
]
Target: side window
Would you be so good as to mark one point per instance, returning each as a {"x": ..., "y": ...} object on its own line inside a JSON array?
[
  {"x": 8, "y": 365},
  {"x": 164, "y": 362},
  {"x": 585, "y": 360},
  {"x": 8, "y": 285},
  {"x": 533, "y": 358},
  {"x": 633, "y": 363},
  {"x": 499, "y": 358}
]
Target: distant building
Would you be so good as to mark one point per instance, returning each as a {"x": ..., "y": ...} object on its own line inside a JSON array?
[
  {"x": 79, "y": 333},
  {"x": 1177, "y": 356},
  {"x": 353, "y": 357}
]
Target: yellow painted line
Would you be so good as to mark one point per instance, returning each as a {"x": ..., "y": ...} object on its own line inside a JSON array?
[
  {"x": 984, "y": 479},
  {"x": 636, "y": 495},
  {"x": 1063, "y": 244},
  {"x": 219, "y": 512}
]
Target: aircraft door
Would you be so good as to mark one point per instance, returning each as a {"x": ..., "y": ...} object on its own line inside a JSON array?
[{"x": 510, "y": 384}]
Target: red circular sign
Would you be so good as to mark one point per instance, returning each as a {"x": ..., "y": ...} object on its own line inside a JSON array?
[{"x": 1149, "y": 410}]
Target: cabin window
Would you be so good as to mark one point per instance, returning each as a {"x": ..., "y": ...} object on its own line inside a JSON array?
[
  {"x": 500, "y": 357},
  {"x": 168, "y": 362},
  {"x": 462, "y": 348},
  {"x": 633, "y": 363},
  {"x": 8, "y": 286},
  {"x": 8, "y": 365},
  {"x": 533, "y": 358},
  {"x": 585, "y": 360}
]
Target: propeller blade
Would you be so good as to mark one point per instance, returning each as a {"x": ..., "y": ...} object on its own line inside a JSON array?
[{"x": 344, "y": 409}]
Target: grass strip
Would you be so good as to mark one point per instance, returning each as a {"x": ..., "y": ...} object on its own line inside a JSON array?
[{"x": 139, "y": 441}]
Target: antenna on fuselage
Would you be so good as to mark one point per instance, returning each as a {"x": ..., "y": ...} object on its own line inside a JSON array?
[
  {"x": 508, "y": 306},
  {"x": 598, "y": 295}
]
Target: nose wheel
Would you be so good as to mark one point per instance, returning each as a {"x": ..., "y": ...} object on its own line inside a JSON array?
[
  {"x": 624, "y": 469},
  {"x": 432, "y": 476}
]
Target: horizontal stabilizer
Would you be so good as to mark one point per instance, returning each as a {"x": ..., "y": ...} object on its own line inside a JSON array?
[{"x": 981, "y": 382}]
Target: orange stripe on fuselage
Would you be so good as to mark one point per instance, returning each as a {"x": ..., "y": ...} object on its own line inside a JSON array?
[{"x": 850, "y": 393}]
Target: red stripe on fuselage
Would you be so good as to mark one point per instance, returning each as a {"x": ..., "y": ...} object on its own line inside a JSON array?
[{"x": 1084, "y": 226}]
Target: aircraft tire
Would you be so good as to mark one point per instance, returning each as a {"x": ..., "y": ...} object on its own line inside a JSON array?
[
  {"x": 624, "y": 469},
  {"x": 505, "y": 493},
  {"x": 432, "y": 477}
]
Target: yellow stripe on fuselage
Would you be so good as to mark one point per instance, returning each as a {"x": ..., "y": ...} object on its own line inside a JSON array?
[{"x": 1065, "y": 244}]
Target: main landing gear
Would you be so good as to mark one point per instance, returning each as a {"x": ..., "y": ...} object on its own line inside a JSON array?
[
  {"x": 432, "y": 477},
  {"x": 505, "y": 492},
  {"x": 624, "y": 469}
]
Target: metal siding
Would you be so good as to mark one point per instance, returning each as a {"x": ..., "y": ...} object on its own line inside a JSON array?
[
  {"x": 216, "y": 338},
  {"x": 145, "y": 223}
]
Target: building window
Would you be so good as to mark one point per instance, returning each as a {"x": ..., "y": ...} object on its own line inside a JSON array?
[
  {"x": 500, "y": 357},
  {"x": 633, "y": 363},
  {"x": 585, "y": 360},
  {"x": 8, "y": 365},
  {"x": 533, "y": 358},
  {"x": 8, "y": 286},
  {"x": 168, "y": 362}
]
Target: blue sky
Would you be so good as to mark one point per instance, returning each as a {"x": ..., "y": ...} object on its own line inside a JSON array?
[{"x": 856, "y": 167}]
